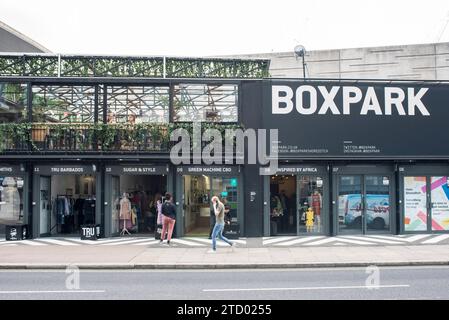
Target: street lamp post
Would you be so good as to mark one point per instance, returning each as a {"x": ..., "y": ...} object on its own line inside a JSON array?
[{"x": 300, "y": 51}]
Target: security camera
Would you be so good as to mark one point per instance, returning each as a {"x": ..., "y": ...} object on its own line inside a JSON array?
[{"x": 300, "y": 51}]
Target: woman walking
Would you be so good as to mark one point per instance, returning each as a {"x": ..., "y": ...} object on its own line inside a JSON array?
[
  {"x": 219, "y": 210},
  {"x": 168, "y": 218}
]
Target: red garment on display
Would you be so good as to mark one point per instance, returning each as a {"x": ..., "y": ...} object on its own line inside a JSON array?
[{"x": 316, "y": 204}]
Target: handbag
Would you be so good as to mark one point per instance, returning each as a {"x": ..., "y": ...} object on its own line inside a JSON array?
[{"x": 158, "y": 232}]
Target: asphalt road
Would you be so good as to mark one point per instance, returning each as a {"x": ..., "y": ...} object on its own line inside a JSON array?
[{"x": 344, "y": 283}]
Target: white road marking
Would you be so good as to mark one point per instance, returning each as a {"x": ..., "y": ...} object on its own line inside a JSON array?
[
  {"x": 337, "y": 239},
  {"x": 278, "y": 239},
  {"x": 309, "y": 288},
  {"x": 81, "y": 241},
  {"x": 58, "y": 242},
  {"x": 32, "y": 243},
  {"x": 436, "y": 239},
  {"x": 52, "y": 291},
  {"x": 188, "y": 243},
  {"x": 407, "y": 239},
  {"x": 125, "y": 242},
  {"x": 373, "y": 239},
  {"x": 104, "y": 241},
  {"x": 150, "y": 242},
  {"x": 300, "y": 240},
  {"x": 207, "y": 241}
]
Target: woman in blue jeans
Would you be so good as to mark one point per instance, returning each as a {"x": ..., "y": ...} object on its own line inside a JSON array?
[{"x": 219, "y": 210}]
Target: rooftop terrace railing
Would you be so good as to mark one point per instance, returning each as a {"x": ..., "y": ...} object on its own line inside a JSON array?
[
  {"x": 82, "y": 138},
  {"x": 65, "y": 66}
]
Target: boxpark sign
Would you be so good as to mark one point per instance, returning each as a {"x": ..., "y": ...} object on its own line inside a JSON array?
[{"x": 338, "y": 119}]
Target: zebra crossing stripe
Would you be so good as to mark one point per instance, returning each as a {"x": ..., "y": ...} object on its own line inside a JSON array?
[
  {"x": 337, "y": 239},
  {"x": 32, "y": 243},
  {"x": 436, "y": 239},
  {"x": 207, "y": 241},
  {"x": 402, "y": 240},
  {"x": 407, "y": 239},
  {"x": 355, "y": 241},
  {"x": 76, "y": 240},
  {"x": 362, "y": 238},
  {"x": 298, "y": 241},
  {"x": 323, "y": 241},
  {"x": 58, "y": 242},
  {"x": 418, "y": 237},
  {"x": 104, "y": 241},
  {"x": 124, "y": 242},
  {"x": 188, "y": 243},
  {"x": 278, "y": 239},
  {"x": 150, "y": 243}
]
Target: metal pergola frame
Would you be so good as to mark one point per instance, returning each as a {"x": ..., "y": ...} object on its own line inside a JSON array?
[{"x": 62, "y": 66}]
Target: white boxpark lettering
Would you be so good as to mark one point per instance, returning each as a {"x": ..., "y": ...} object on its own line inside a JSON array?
[
  {"x": 311, "y": 109},
  {"x": 397, "y": 101},
  {"x": 277, "y": 99},
  {"x": 350, "y": 95},
  {"x": 306, "y": 101}
]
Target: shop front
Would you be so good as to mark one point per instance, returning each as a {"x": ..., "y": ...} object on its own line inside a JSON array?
[
  {"x": 296, "y": 201},
  {"x": 195, "y": 187},
  {"x": 424, "y": 198},
  {"x": 364, "y": 199},
  {"x": 13, "y": 196},
  {"x": 131, "y": 194},
  {"x": 364, "y": 130},
  {"x": 65, "y": 197}
]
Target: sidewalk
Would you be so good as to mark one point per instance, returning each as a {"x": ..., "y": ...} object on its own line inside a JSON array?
[{"x": 164, "y": 257}]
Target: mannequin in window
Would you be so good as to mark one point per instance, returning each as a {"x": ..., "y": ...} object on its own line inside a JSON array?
[
  {"x": 125, "y": 213},
  {"x": 309, "y": 219},
  {"x": 317, "y": 205}
]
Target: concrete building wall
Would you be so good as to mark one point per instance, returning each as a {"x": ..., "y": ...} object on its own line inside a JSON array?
[
  {"x": 11, "y": 43},
  {"x": 422, "y": 61},
  {"x": 12, "y": 40}
]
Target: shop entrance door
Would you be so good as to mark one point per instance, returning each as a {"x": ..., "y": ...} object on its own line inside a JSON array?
[
  {"x": 45, "y": 205},
  {"x": 309, "y": 195},
  {"x": 291, "y": 196},
  {"x": 363, "y": 203},
  {"x": 426, "y": 203},
  {"x": 133, "y": 201},
  {"x": 115, "y": 201},
  {"x": 198, "y": 191}
]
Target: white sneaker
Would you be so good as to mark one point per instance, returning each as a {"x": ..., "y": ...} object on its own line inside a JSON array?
[
  {"x": 233, "y": 246},
  {"x": 211, "y": 251}
]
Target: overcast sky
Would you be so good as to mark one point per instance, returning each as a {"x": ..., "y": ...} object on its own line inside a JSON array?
[{"x": 201, "y": 28}]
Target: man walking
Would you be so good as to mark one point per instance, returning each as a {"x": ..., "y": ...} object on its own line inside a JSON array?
[
  {"x": 219, "y": 211},
  {"x": 211, "y": 221},
  {"x": 168, "y": 218}
]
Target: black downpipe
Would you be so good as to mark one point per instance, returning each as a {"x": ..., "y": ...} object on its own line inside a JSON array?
[{"x": 330, "y": 202}]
